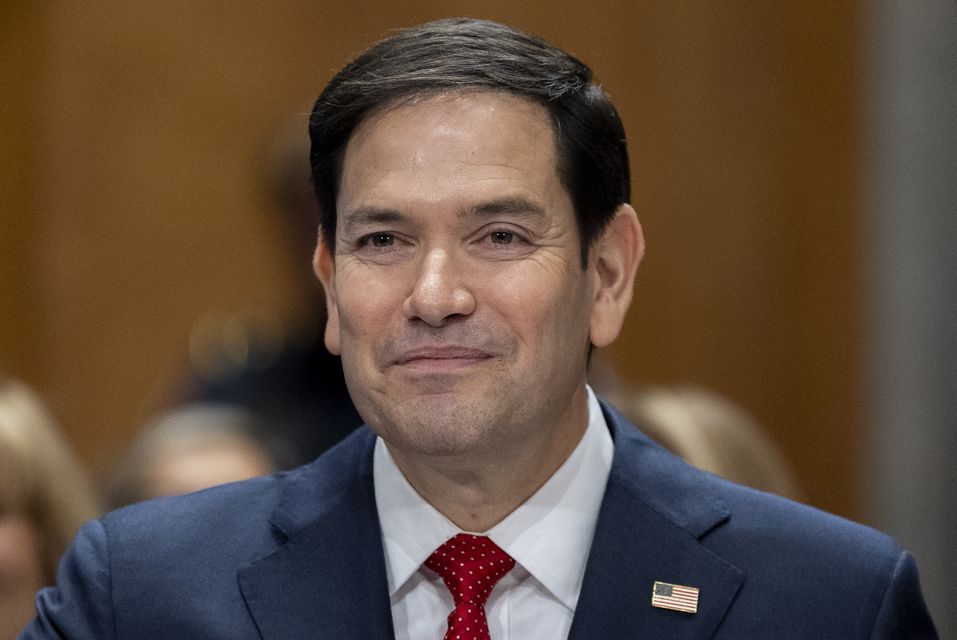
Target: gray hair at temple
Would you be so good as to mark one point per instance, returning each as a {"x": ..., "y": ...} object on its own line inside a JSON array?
[{"x": 460, "y": 55}]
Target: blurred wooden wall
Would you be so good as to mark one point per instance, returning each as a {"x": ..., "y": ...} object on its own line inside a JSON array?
[{"x": 134, "y": 202}]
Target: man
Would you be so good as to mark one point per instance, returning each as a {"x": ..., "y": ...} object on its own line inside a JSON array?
[{"x": 476, "y": 245}]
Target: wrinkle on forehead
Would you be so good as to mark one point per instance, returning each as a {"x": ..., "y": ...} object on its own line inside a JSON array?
[{"x": 455, "y": 100}]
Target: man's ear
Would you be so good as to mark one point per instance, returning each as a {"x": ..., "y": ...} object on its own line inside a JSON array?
[
  {"x": 615, "y": 258},
  {"x": 324, "y": 266}
]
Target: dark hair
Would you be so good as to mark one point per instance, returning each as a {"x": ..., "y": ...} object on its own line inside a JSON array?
[{"x": 462, "y": 54}]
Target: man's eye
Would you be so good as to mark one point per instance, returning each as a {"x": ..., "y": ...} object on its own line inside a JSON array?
[
  {"x": 502, "y": 237},
  {"x": 381, "y": 240}
]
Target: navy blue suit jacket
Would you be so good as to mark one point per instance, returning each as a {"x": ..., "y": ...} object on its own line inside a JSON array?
[{"x": 299, "y": 555}]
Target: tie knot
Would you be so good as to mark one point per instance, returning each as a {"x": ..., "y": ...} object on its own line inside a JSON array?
[{"x": 470, "y": 566}]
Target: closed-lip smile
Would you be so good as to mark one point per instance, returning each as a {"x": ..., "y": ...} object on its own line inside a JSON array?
[{"x": 441, "y": 357}]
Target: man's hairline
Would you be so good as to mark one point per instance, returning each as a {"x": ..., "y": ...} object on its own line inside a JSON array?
[{"x": 416, "y": 97}]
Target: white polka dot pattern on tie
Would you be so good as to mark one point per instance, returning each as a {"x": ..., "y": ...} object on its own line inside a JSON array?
[{"x": 470, "y": 566}]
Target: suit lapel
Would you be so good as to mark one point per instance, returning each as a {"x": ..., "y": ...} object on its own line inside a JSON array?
[
  {"x": 654, "y": 513},
  {"x": 327, "y": 578}
]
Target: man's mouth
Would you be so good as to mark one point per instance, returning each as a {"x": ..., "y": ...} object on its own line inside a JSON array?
[{"x": 441, "y": 358}]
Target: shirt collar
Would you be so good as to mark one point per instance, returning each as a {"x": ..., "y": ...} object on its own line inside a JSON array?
[{"x": 568, "y": 502}]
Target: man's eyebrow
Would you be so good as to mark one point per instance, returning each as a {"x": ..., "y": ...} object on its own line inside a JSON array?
[
  {"x": 372, "y": 216},
  {"x": 512, "y": 205},
  {"x": 366, "y": 216}
]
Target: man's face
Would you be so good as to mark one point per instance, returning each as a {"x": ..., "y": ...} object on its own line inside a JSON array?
[{"x": 456, "y": 294}]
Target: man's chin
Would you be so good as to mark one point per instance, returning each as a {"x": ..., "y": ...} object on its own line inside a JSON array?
[{"x": 438, "y": 425}]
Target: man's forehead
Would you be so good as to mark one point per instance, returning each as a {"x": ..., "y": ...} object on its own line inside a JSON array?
[
  {"x": 483, "y": 154},
  {"x": 494, "y": 128},
  {"x": 391, "y": 114}
]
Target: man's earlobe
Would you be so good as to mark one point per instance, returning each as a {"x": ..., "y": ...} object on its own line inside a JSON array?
[
  {"x": 617, "y": 256},
  {"x": 324, "y": 266}
]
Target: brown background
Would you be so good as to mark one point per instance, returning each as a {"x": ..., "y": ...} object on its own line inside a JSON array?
[{"x": 133, "y": 206}]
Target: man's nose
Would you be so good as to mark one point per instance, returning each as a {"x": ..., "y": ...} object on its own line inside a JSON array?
[{"x": 440, "y": 292}]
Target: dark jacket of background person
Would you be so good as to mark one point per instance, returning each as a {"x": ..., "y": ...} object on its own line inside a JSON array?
[{"x": 298, "y": 397}]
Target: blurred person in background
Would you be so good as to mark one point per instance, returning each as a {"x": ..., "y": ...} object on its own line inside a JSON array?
[
  {"x": 190, "y": 448},
  {"x": 711, "y": 433},
  {"x": 282, "y": 375},
  {"x": 702, "y": 427},
  {"x": 44, "y": 498}
]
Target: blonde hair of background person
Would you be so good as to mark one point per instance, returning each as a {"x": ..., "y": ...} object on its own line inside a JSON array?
[
  {"x": 711, "y": 433},
  {"x": 44, "y": 498}
]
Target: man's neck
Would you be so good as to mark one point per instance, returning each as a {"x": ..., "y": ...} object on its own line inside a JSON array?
[{"x": 476, "y": 492}]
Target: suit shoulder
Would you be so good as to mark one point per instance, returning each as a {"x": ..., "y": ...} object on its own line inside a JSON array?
[
  {"x": 731, "y": 516},
  {"x": 243, "y": 514},
  {"x": 782, "y": 531},
  {"x": 190, "y": 520},
  {"x": 805, "y": 560}
]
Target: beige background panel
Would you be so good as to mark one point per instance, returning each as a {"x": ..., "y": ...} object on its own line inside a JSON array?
[{"x": 141, "y": 208}]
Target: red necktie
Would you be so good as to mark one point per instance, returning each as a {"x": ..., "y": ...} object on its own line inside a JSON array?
[{"x": 470, "y": 566}]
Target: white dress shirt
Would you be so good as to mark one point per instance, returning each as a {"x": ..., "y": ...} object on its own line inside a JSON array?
[{"x": 549, "y": 536}]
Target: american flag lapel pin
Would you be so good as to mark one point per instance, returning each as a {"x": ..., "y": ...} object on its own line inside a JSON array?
[{"x": 675, "y": 597}]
